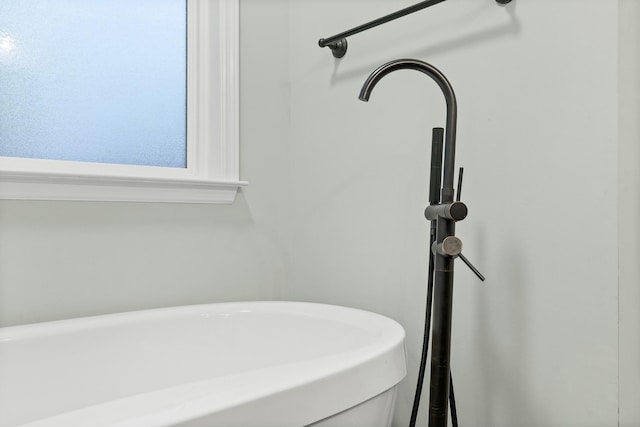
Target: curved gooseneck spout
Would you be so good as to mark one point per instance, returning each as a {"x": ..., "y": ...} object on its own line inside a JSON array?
[
  {"x": 452, "y": 110},
  {"x": 442, "y": 234}
]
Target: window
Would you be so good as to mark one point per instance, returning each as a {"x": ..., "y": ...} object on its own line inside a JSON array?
[{"x": 128, "y": 100}]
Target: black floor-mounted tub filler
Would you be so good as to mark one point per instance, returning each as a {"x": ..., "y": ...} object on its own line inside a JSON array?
[{"x": 443, "y": 213}]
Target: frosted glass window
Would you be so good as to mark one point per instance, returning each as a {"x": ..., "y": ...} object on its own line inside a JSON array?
[{"x": 94, "y": 81}]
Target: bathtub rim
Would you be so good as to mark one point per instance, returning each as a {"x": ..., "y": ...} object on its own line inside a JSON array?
[{"x": 383, "y": 363}]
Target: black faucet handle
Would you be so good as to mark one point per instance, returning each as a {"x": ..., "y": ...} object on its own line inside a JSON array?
[
  {"x": 459, "y": 192},
  {"x": 471, "y": 267},
  {"x": 452, "y": 247},
  {"x": 435, "y": 181}
]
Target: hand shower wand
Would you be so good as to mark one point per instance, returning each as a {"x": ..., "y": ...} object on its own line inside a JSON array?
[{"x": 443, "y": 212}]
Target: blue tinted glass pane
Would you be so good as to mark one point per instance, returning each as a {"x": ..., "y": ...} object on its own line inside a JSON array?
[{"x": 94, "y": 80}]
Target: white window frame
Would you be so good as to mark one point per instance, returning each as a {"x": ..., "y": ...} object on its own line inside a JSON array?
[{"x": 212, "y": 172}]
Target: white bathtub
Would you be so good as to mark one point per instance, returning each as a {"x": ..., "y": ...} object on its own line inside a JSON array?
[{"x": 253, "y": 364}]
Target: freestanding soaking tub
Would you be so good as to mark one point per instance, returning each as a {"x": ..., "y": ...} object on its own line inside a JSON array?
[{"x": 249, "y": 364}]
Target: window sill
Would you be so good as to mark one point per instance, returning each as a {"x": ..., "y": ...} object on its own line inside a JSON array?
[
  {"x": 83, "y": 187},
  {"x": 211, "y": 174}
]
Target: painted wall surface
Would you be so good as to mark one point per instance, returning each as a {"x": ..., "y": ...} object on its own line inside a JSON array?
[
  {"x": 629, "y": 212},
  {"x": 61, "y": 260},
  {"x": 333, "y": 212},
  {"x": 536, "y": 83}
]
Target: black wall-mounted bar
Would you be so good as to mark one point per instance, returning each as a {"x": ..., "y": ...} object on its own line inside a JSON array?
[{"x": 338, "y": 43}]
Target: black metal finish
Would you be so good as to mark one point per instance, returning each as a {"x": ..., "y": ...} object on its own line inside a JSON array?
[
  {"x": 452, "y": 403},
  {"x": 443, "y": 213},
  {"x": 441, "y": 337},
  {"x": 472, "y": 268},
  {"x": 437, "y": 139},
  {"x": 456, "y": 211},
  {"x": 452, "y": 111},
  {"x": 338, "y": 42},
  {"x": 459, "y": 192},
  {"x": 445, "y": 227}
]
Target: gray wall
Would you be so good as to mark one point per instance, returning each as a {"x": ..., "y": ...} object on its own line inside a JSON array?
[
  {"x": 60, "y": 260},
  {"x": 629, "y": 212},
  {"x": 333, "y": 212}
]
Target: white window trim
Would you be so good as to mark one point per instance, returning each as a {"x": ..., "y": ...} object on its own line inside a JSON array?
[{"x": 212, "y": 173}]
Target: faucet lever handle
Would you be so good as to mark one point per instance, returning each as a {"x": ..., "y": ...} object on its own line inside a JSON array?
[
  {"x": 459, "y": 192},
  {"x": 462, "y": 257},
  {"x": 471, "y": 267}
]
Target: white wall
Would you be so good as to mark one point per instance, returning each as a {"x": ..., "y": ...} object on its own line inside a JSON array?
[
  {"x": 629, "y": 212},
  {"x": 536, "y": 82},
  {"x": 61, "y": 260}
]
